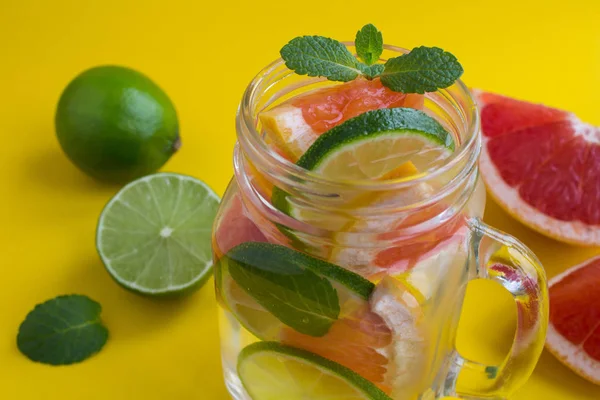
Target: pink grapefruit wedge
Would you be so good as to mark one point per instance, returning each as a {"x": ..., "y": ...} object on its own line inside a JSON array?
[
  {"x": 357, "y": 342},
  {"x": 574, "y": 330},
  {"x": 543, "y": 166},
  {"x": 294, "y": 125},
  {"x": 234, "y": 228}
]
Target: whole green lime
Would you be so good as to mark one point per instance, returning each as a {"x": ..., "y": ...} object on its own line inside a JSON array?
[{"x": 116, "y": 125}]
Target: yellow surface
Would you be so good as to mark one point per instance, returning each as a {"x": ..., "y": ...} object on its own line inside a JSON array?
[{"x": 203, "y": 53}]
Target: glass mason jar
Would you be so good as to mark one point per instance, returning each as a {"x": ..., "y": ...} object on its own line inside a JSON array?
[{"x": 417, "y": 243}]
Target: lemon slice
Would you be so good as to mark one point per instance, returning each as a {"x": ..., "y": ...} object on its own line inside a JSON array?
[
  {"x": 400, "y": 306},
  {"x": 287, "y": 130}
]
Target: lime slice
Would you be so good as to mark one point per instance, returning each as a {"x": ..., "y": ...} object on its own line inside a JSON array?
[
  {"x": 269, "y": 286},
  {"x": 395, "y": 143},
  {"x": 271, "y": 371},
  {"x": 154, "y": 235},
  {"x": 381, "y": 144},
  {"x": 376, "y": 142},
  {"x": 251, "y": 315}
]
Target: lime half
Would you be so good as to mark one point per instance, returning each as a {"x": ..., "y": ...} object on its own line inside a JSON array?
[
  {"x": 271, "y": 371},
  {"x": 154, "y": 235}
]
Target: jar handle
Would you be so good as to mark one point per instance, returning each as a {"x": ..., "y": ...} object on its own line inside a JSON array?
[{"x": 502, "y": 258}]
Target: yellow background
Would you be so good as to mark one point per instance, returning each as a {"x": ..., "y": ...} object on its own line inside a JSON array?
[{"x": 203, "y": 53}]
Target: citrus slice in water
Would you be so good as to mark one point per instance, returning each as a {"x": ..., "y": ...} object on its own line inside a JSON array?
[
  {"x": 304, "y": 293},
  {"x": 399, "y": 305},
  {"x": 154, "y": 235},
  {"x": 358, "y": 341},
  {"x": 542, "y": 165},
  {"x": 294, "y": 125},
  {"x": 250, "y": 314},
  {"x": 234, "y": 227},
  {"x": 271, "y": 283},
  {"x": 368, "y": 147},
  {"x": 574, "y": 329},
  {"x": 376, "y": 142},
  {"x": 405, "y": 254},
  {"x": 362, "y": 336},
  {"x": 371, "y": 146},
  {"x": 272, "y": 371}
]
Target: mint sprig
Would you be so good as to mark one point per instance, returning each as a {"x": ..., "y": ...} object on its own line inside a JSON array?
[
  {"x": 320, "y": 56},
  {"x": 369, "y": 44},
  {"x": 424, "y": 69}
]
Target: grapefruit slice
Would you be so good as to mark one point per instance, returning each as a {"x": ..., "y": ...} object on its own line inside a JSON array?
[
  {"x": 357, "y": 342},
  {"x": 294, "y": 125},
  {"x": 234, "y": 228},
  {"x": 374, "y": 262},
  {"x": 543, "y": 166},
  {"x": 382, "y": 341},
  {"x": 574, "y": 329},
  {"x": 398, "y": 305}
]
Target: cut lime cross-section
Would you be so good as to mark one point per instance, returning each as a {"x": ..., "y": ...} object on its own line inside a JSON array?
[
  {"x": 271, "y": 371},
  {"x": 154, "y": 235}
]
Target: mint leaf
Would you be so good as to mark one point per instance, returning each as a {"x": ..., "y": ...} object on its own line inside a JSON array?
[
  {"x": 369, "y": 44},
  {"x": 424, "y": 69},
  {"x": 281, "y": 280},
  {"x": 320, "y": 56},
  {"x": 64, "y": 330},
  {"x": 372, "y": 71}
]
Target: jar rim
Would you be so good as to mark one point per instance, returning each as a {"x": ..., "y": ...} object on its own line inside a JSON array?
[{"x": 261, "y": 154}]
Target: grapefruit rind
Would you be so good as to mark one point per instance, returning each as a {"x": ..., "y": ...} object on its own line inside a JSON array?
[
  {"x": 568, "y": 353},
  {"x": 508, "y": 197}
]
